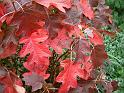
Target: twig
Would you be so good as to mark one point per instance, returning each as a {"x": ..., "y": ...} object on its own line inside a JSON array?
[
  {"x": 62, "y": 55},
  {"x": 19, "y": 5},
  {"x": 6, "y": 15}
]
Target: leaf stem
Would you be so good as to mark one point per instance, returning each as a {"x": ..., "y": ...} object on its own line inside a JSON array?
[
  {"x": 62, "y": 55},
  {"x": 6, "y": 15}
]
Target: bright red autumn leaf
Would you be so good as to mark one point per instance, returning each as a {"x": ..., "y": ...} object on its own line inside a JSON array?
[
  {"x": 97, "y": 38},
  {"x": 60, "y": 4},
  {"x": 33, "y": 46},
  {"x": 87, "y": 10},
  {"x": 68, "y": 76},
  {"x": 2, "y": 12},
  {"x": 38, "y": 66},
  {"x": 94, "y": 36},
  {"x": 38, "y": 59}
]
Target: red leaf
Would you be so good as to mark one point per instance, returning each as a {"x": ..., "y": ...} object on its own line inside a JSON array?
[
  {"x": 33, "y": 46},
  {"x": 38, "y": 60},
  {"x": 96, "y": 38},
  {"x": 68, "y": 76},
  {"x": 87, "y": 10},
  {"x": 1, "y": 88},
  {"x": 54, "y": 22},
  {"x": 60, "y": 4}
]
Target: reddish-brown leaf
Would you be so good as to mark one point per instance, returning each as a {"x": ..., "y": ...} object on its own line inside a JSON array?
[
  {"x": 74, "y": 13},
  {"x": 82, "y": 50},
  {"x": 34, "y": 80},
  {"x": 8, "y": 44},
  {"x": 98, "y": 55}
]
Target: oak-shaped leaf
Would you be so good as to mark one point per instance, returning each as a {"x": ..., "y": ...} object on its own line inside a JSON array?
[
  {"x": 68, "y": 76},
  {"x": 103, "y": 15},
  {"x": 54, "y": 21},
  {"x": 37, "y": 61},
  {"x": 74, "y": 13},
  {"x": 34, "y": 80},
  {"x": 82, "y": 50},
  {"x": 28, "y": 21},
  {"x": 98, "y": 55},
  {"x": 9, "y": 50},
  {"x": 33, "y": 45},
  {"x": 60, "y": 4}
]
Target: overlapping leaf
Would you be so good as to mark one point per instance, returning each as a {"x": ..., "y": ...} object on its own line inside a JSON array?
[
  {"x": 8, "y": 82},
  {"x": 68, "y": 76},
  {"x": 34, "y": 80},
  {"x": 60, "y": 4},
  {"x": 60, "y": 42},
  {"x": 87, "y": 10},
  {"x": 38, "y": 59},
  {"x": 98, "y": 55},
  {"x": 28, "y": 20},
  {"x": 82, "y": 50}
]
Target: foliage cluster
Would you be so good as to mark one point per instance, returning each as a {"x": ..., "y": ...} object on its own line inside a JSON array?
[{"x": 54, "y": 46}]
